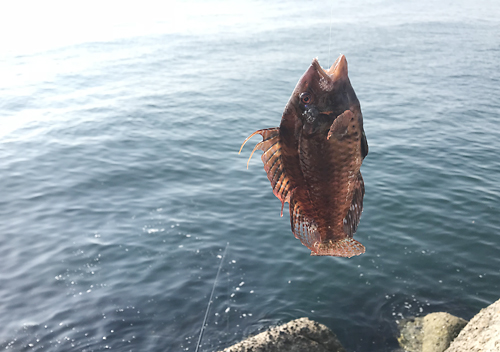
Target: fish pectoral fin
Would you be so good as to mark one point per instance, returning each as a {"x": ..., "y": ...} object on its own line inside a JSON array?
[
  {"x": 353, "y": 216},
  {"x": 347, "y": 125},
  {"x": 347, "y": 247},
  {"x": 271, "y": 158},
  {"x": 303, "y": 227},
  {"x": 342, "y": 126}
]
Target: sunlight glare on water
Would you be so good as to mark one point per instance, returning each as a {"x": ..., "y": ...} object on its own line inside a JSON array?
[{"x": 55, "y": 23}]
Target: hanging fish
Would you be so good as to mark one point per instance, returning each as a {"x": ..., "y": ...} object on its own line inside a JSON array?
[{"x": 313, "y": 160}]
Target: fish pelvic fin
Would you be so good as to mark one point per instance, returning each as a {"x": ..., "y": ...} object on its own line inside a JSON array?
[
  {"x": 273, "y": 166},
  {"x": 346, "y": 247}
]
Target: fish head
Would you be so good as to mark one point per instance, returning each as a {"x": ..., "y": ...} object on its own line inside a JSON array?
[{"x": 322, "y": 95}]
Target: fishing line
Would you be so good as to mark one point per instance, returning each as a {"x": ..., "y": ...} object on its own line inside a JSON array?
[
  {"x": 210, "y": 300},
  {"x": 229, "y": 295},
  {"x": 330, "y": 40}
]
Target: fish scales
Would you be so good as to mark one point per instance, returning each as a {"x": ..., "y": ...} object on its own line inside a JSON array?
[{"x": 313, "y": 160}]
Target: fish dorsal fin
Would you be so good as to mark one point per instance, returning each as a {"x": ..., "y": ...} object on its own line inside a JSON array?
[
  {"x": 271, "y": 158},
  {"x": 351, "y": 220},
  {"x": 303, "y": 227}
]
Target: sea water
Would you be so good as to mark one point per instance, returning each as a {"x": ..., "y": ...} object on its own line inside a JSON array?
[{"x": 122, "y": 185}]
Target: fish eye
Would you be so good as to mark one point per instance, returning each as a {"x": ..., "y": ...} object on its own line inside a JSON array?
[{"x": 305, "y": 98}]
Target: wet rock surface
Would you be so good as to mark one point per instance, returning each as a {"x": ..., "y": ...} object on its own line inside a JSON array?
[
  {"x": 482, "y": 333},
  {"x": 435, "y": 332},
  {"x": 299, "y": 335},
  {"x": 432, "y": 333}
]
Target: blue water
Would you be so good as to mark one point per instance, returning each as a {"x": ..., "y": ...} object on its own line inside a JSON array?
[{"x": 121, "y": 183}]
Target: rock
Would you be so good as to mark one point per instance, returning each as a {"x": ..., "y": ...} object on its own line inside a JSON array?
[
  {"x": 482, "y": 333},
  {"x": 432, "y": 333},
  {"x": 410, "y": 334},
  {"x": 300, "y": 335},
  {"x": 439, "y": 330}
]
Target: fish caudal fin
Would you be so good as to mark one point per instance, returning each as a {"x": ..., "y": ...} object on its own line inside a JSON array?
[
  {"x": 271, "y": 158},
  {"x": 306, "y": 230},
  {"x": 347, "y": 247}
]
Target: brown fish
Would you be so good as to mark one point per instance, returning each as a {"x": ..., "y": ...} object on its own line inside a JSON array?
[{"x": 313, "y": 160}]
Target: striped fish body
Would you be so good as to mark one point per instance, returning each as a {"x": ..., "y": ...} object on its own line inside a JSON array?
[{"x": 313, "y": 160}]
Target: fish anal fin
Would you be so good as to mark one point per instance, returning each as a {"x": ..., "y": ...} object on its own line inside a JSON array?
[
  {"x": 271, "y": 158},
  {"x": 346, "y": 247},
  {"x": 353, "y": 215},
  {"x": 304, "y": 228}
]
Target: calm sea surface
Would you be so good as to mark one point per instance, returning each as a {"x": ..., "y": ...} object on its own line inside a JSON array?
[{"x": 121, "y": 183}]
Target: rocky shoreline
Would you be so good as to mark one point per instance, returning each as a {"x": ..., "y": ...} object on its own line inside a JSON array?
[{"x": 435, "y": 332}]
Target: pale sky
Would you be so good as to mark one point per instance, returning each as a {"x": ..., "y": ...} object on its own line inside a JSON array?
[{"x": 27, "y": 26}]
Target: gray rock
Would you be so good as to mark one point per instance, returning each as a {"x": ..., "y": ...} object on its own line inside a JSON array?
[
  {"x": 300, "y": 335},
  {"x": 432, "y": 333},
  {"x": 481, "y": 334}
]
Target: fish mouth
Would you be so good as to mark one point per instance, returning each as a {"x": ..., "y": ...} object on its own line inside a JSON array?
[{"x": 337, "y": 71}]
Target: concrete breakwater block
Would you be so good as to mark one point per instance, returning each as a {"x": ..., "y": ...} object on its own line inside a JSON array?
[
  {"x": 299, "y": 335},
  {"x": 432, "y": 333},
  {"x": 482, "y": 333}
]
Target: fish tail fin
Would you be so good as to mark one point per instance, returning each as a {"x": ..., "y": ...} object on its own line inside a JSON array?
[{"x": 346, "y": 247}]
